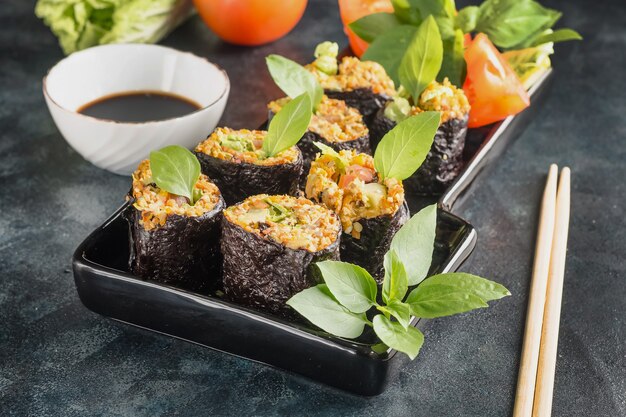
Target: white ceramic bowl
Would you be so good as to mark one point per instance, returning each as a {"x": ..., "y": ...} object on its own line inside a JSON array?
[{"x": 103, "y": 70}]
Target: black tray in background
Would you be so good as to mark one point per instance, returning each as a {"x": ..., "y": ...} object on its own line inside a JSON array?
[{"x": 106, "y": 287}]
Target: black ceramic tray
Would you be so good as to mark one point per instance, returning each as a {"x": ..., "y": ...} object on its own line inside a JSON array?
[{"x": 105, "y": 286}]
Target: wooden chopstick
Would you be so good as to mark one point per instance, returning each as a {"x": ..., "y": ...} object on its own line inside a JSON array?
[
  {"x": 537, "y": 297},
  {"x": 546, "y": 368}
]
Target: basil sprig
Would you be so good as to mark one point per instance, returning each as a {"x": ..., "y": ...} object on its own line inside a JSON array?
[
  {"x": 510, "y": 24},
  {"x": 422, "y": 60},
  {"x": 294, "y": 79},
  {"x": 287, "y": 127},
  {"x": 176, "y": 170},
  {"x": 403, "y": 149},
  {"x": 339, "y": 305}
]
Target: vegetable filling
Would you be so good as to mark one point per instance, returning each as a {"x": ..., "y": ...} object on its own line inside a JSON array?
[
  {"x": 333, "y": 120},
  {"x": 244, "y": 146},
  {"x": 442, "y": 97},
  {"x": 347, "y": 183},
  {"x": 297, "y": 223},
  {"x": 156, "y": 204}
]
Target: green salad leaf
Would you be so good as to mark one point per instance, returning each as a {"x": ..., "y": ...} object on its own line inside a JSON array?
[
  {"x": 422, "y": 60},
  {"x": 80, "y": 24},
  {"x": 287, "y": 127},
  {"x": 403, "y": 149},
  {"x": 175, "y": 170},
  {"x": 294, "y": 79}
]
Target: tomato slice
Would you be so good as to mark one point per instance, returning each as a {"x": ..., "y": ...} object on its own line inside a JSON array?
[
  {"x": 352, "y": 10},
  {"x": 356, "y": 171},
  {"x": 493, "y": 89}
]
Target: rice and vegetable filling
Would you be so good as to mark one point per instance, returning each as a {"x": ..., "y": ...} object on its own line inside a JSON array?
[
  {"x": 294, "y": 222},
  {"x": 156, "y": 205},
  {"x": 347, "y": 183}
]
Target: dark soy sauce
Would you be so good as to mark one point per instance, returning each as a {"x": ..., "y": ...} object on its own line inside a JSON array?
[{"x": 139, "y": 106}]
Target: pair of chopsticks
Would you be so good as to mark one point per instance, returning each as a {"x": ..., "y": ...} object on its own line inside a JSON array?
[{"x": 535, "y": 383}]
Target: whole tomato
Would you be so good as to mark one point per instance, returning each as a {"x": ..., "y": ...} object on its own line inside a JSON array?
[
  {"x": 250, "y": 22},
  {"x": 352, "y": 10}
]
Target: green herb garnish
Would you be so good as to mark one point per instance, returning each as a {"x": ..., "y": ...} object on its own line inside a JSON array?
[
  {"x": 422, "y": 60},
  {"x": 403, "y": 149},
  {"x": 509, "y": 24},
  {"x": 339, "y": 305},
  {"x": 327, "y": 150},
  {"x": 294, "y": 79},
  {"x": 288, "y": 125},
  {"x": 176, "y": 170}
]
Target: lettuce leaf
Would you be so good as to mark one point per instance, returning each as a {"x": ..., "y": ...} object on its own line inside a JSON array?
[{"x": 80, "y": 24}]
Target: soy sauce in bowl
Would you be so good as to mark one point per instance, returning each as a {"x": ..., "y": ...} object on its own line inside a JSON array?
[{"x": 139, "y": 106}]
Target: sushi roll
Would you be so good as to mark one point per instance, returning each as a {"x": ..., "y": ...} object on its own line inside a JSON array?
[
  {"x": 269, "y": 244},
  {"x": 371, "y": 210},
  {"x": 334, "y": 124},
  {"x": 171, "y": 241},
  {"x": 445, "y": 159},
  {"x": 363, "y": 85},
  {"x": 235, "y": 161}
]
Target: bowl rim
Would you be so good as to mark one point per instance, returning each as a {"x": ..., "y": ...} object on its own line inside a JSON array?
[{"x": 48, "y": 96}]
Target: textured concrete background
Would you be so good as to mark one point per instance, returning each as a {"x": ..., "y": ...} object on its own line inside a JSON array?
[{"x": 57, "y": 358}]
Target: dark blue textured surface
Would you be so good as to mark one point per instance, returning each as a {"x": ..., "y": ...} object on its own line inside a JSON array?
[{"x": 57, "y": 358}]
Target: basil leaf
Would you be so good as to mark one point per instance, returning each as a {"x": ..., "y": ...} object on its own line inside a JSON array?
[
  {"x": 414, "y": 244},
  {"x": 467, "y": 18},
  {"x": 509, "y": 23},
  {"x": 392, "y": 334},
  {"x": 369, "y": 27},
  {"x": 403, "y": 149},
  {"x": 287, "y": 127},
  {"x": 294, "y": 79},
  {"x": 453, "y": 65},
  {"x": 468, "y": 283},
  {"x": 446, "y": 27},
  {"x": 350, "y": 284},
  {"x": 441, "y": 300},
  {"x": 389, "y": 48},
  {"x": 401, "y": 311},
  {"x": 319, "y": 306},
  {"x": 406, "y": 12},
  {"x": 175, "y": 170},
  {"x": 559, "y": 35},
  {"x": 395, "y": 283},
  {"x": 422, "y": 59}
]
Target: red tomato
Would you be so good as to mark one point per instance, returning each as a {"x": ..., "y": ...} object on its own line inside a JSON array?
[
  {"x": 345, "y": 180},
  {"x": 492, "y": 87},
  {"x": 364, "y": 174},
  {"x": 352, "y": 10},
  {"x": 250, "y": 22}
]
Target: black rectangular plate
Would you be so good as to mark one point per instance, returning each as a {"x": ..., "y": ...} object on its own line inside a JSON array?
[{"x": 106, "y": 287}]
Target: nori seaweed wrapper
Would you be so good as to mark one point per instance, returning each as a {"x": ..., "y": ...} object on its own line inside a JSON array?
[
  {"x": 184, "y": 252},
  {"x": 263, "y": 274},
  {"x": 443, "y": 162},
  {"x": 363, "y": 99},
  {"x": 237, "y": 181},
  {"x": 369, "y": 250}
]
